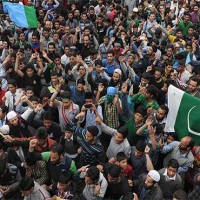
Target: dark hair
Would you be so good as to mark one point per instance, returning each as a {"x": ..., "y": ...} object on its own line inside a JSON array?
[
  {"x": 159, "y": 128},
  {"x": 64, "y": 177},
  {"x": 195, "y": 79},
  {"x": 145, "y": 75},
  {"x": 66, "y": 95},
  {"x": 186, "y": 14},
  {"x": 89, "y": 95},
  {"x": 41, "y": 133},
  {"x": 98, "y": 62},
  {"x": 173, "y": 163},
  {"x": 30, "y": 160},
  {"x": 80, "y": 81},
  {"x": 93, "y": 173},
  {"x": 4, "y": 108},
  {"x": 57, "y": 148},
  {"x": 140, "y": 146},
  {"x": 172, "y": 134},
  {"x": 114, "y": 171},
  {"x": 120, "y": 156},
  {"x": 34, "y": 98},
  {"x": 12, "y": 82},
  {"x": 54, "y": 73},
  {"x": 26, "y": 183},
  {"x": 29, "y": 88},
  {"x": 141, "y": 110},
  {"x": 47, "y": 116},
  {"x": 123, "y": 131},
  {"x": 152, "y": 90},
  {"x": 180, "y": 195},
  {"x": 165, "y": 108}
]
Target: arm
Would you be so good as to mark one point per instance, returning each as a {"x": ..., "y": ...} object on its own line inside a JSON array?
[
  {"x": 54, "y": 95},
  {"x": 169, "y": 147},
  {"x": 17, "y": 70},
  {"x": 106, "y": 129},
  {"x": 44, "y": 176},
  {"x": 148, "y": 159}
]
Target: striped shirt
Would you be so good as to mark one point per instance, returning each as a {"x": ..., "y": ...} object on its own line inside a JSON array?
[{"x": 92, "y": 153}]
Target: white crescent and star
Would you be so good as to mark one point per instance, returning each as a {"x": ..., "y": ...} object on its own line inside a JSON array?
[{"x": 188, "y": 120}]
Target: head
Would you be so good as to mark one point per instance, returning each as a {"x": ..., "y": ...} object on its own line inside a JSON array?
[
  {"x": 66, "y": 99},
  {"x": 180, "y": 195},
  {"x": 92, "y": 176},
  {"x": 110, "y": 95},
  {"x": 41, "y": 136},
  {"x": 121, "y": 160},
  {"x": 89, "y": 97},
  {"x": 12, "y": 118},
  {"x": 29, "y": 70},
  {"x": 153, "y": 177},
  {"x": 26, "y": 186},
  {"x": 158, "y": 74},
  {"x": 122, "y": 133},
  {"x": 186, "y": 16},
  {"x": 193, "y": 85},
  {"x": 110, "y": 56},
  {"x": 81, "y": 70},
  {"x": 151, "y": 92},
  {"x": 47, "y": 120},
  {"x": 171, "y": 136},
  {"x": 56, "y": 153},
  {"x": 68, "y": 132},
  {"x": 114, "y": 174},
  {"x": 139, "y": 149},
  {"x": 145, "y": 79},
  {"x": 117, "y": 75},
  {"x": 162, "y": 112},
  {"x": 91, "y": 134},
  {"x": 140, "y": 114},
  {"x": 80, "y": 84},
  {"x": 3, "y": 111},
  {"x": 172, "y": 168},
  {"x": 186, "y": 144},
  {"x": 12, "y": 86},
  {"x": 64, "y": 181}
]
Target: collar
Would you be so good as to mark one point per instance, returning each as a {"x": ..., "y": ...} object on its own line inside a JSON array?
[{"x": 168, "y": 178}]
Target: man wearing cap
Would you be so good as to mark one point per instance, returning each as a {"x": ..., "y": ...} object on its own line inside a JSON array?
[
  {"x": 92, "y": 149},
  {"x": 148, "y": 187},
  {"x": 111, "y": 108},
  {"x": 134, "y": 16}
]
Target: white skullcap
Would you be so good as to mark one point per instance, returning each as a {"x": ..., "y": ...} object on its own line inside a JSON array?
[
  {"x": 154, "y": 175},
  {"x": 118, "y": 71},
  {"x": 11, "y": 115}
]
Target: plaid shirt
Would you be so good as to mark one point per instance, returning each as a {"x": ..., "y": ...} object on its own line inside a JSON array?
[
  {"x": 194, "y": 195},
  {"x": 110, "y": 113}
]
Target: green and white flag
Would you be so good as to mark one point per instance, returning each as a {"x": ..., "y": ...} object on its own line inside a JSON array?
[{"x": 184, "y": 114}]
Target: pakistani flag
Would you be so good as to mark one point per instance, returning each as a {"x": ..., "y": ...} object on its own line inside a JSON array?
[
  {"x": 22, "y": 16},
  {"x": 184, "y": 114}
]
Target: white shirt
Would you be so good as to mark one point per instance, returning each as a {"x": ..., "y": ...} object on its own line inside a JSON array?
[{"x": 9, "y": 99}]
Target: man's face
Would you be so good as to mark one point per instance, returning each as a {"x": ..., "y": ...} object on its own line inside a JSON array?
[
  {"x": 66, "y": 103},
  {"x": 110, "y": 57},
  {"x": 88, "y": 180},
  {"x": 157, "y": 75},
  {"x": 48, "y": 24},
  {"x": 29, "y": 72},
  {"x": 11, "y": 88},
  {"x": 171, "y": 172},
  {"x": 112, "y": 180},
  {"x": 138, "y": 153},
  {"x": 54, "y": 157},
  {"x": 42, "y": 142},
  {"x": 138, "y": 118},
  {"x": 118, "y": 138},
  {"x": 196, "y": 9},
  {"x": 149, "y": 183},
  {"x": 62, "y": 186},
  {"x": 29, "y": 93},
  {"x": 27, "y": 192},
  {"x": 89, "y": 137},
  {"x": 187, "y": 18},
  {"x": 151, "y": 17},
  {"x": 55, "y": 37},
  {"x": 183, "y": 144},
  {"x": 51, "y": 48},
  {"x": 70, "y": 16},
  {"x": 67, "y": 30},
  {"x": 86, "y": 40},
  {"x": 80, "y": 87},
  {"x": 160, "y": 114},
  {"x": 47, "y": 123},
  {"x": 14, "y": 121},
  {"x": 192, "y": 86},
  {"x": 84, "y": 17}
]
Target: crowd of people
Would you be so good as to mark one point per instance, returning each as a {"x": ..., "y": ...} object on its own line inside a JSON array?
[{"x": 84, "y": 101}]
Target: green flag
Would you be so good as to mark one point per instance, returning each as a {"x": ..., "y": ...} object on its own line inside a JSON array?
[{"x": 184, "y": 114}]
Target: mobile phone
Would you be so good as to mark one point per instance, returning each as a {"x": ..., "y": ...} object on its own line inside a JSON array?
[{"x": 88, "y": 105}]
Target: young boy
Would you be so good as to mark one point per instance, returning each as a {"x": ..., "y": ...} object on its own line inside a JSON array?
[{"x": 121, "y": 160}]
